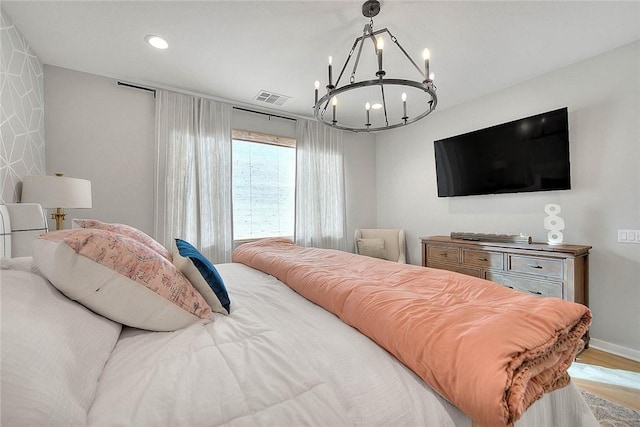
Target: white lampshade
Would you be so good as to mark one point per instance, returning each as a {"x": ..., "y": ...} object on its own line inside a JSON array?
[{"x": 56, "y": 191}]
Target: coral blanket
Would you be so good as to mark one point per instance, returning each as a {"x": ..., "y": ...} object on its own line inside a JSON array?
[{"x": 489, "y": 350}]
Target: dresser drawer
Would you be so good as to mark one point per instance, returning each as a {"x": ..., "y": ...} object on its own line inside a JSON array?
[
  {"x": 486, "y": 259},
  {"x": 538, "y": 266},
  {"x": 469, "y": 271},
  {"x": 526, "y": 284},
  {"x": 443, "y": 253}
]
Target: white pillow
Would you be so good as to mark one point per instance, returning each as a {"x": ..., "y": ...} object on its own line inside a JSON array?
[
  {"x": 372, "y": 247},
  {"x": 53, "y": 353},
  {"x": 119, "y": 278}
]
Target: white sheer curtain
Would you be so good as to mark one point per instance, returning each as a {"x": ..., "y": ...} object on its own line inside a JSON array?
[
  {"x": 320, "y": 200},
  {"x": 193, "y": 174}
]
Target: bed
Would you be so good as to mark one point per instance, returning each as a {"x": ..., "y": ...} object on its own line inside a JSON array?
[{"x": 276, "y": 359}]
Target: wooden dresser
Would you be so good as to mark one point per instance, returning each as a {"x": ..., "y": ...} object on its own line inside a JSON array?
[{"x": 557, "y": 271}]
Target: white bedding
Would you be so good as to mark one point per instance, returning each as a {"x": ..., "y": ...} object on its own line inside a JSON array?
[
  {"x": 276, "y": 360},
  {"x": 53, "y": 352}
]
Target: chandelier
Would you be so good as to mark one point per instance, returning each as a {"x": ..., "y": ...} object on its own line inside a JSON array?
[{"x": 379, "y": 103}]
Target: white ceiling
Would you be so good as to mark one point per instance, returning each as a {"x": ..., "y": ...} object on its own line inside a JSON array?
[{"x": 234, "y": 49}]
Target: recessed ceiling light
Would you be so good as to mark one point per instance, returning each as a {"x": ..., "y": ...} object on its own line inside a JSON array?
[
  {"x": 376, "y": 106},
  {"x": 157, "y": 42}
]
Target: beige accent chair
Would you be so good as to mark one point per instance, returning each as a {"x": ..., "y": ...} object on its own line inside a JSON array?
[{"x": 385, "y": 243}]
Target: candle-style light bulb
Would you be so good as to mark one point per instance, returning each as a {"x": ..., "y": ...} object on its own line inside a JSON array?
[
  {"x": 426, "y": 55},
  {"x": 367, "y": 107},
  {"x": 404, "y": 106},
  {"x": 330, "y": 73},
  {"x": 317, "y": 86},
  {"x": 432, "y": 76},
  {"x": 334, "y": 103},
  {"x": 379, "y": 48}
]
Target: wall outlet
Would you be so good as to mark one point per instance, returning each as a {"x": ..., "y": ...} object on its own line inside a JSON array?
[{"x": 629, "y": 236}]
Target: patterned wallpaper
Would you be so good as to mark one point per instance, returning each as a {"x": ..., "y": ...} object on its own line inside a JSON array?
[{"x": 22, "y": 150}]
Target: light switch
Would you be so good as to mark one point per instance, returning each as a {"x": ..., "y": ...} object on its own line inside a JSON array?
[{"x": 629, "y": 236}]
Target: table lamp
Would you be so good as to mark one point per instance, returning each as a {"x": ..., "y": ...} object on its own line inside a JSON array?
[{"x": 57, "y": 192}]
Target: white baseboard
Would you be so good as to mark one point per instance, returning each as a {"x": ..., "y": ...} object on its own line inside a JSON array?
[{"x": 616, "y": 349}]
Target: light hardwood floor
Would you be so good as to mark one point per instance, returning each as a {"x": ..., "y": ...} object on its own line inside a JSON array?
[{"x": 626, "y": 396}]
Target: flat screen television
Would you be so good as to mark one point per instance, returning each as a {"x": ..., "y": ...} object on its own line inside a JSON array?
[{"x": 530, "y": 154}]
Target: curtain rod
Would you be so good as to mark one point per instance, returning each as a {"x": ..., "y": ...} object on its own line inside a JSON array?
[
  {"x": 265, "y": 114},
  {"x": 235, "y": 108},
  {"x": 138, "y": 87}
]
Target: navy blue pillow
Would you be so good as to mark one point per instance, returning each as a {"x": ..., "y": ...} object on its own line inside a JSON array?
[{"x": 208, "y": 273}]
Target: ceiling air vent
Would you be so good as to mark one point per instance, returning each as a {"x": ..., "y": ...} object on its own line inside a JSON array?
[{"x": 271, "y": 98}]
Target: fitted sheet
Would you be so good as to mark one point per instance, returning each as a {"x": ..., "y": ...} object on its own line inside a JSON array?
[{"x": 278, "y": 359}]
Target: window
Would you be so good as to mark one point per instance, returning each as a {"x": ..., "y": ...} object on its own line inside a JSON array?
[{"x": 263, "y": 185}]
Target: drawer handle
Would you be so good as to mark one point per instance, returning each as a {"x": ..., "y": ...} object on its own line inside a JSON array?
[
  {"x": 444, "y": 254},
  {"x": 482, "y": 259},
  {"x": 535, "y": 292},
  {"x": 535, "y": 266}
]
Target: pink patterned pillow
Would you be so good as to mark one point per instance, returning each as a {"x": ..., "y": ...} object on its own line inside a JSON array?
[
  {"x": 126, "y": 230},
  {"x": 119, "y": 278}
]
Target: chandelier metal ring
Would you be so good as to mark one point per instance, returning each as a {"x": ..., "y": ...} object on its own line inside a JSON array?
[{"x": 323, "y": 102}]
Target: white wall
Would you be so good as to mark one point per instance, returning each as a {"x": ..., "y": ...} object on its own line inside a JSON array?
[
  {"x": 360, "y": 183},
  {"x": 103, "y": 132},
  {"x": 603, "y": 98}
]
